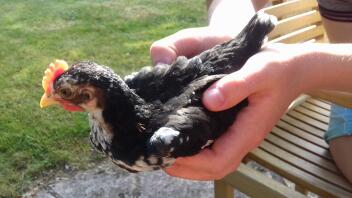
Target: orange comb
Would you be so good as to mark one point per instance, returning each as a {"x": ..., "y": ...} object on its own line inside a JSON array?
[{"x": 52, "y": 72}]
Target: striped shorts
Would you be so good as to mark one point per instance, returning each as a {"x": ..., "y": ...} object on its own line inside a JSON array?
[{"x": 336, "y": 10}]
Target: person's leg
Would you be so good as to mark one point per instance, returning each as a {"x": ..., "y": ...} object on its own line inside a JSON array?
[
  {"x": 337, "y": 21},
  {"x": 339, "y": 137},
  {"x": 341, "y": 151},
  {"x": 337, "y": 31}
]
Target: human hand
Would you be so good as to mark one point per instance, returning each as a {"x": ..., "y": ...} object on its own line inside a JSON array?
[
  {"x": 187, "y": 42},
  {"x": 270, "y": 82}
]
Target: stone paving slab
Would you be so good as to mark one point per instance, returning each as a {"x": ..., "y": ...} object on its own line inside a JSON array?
[{"x": 106, "y": 181}]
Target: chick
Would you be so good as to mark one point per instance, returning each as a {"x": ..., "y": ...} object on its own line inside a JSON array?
[{"x": 147, "y": 120}]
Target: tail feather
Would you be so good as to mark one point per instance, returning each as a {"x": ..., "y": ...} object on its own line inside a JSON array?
[
  {"x": 257, "y": 28},
  {"x": 231, "y": 56}
]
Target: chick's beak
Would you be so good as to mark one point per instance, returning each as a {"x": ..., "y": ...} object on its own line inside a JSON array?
[{"x": 47, "y": 101}]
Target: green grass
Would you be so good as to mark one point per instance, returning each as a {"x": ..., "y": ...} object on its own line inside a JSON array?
[{"x": 35, "y": 32}]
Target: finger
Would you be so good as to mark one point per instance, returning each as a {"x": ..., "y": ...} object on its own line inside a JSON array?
[
  {"x": 230, "y": 90},
  {"x": 251, "y": 125},
  {"x": 202, "y": 159},
  {"x": 228, "y": 150},
  {"x": 185, "y": 172},
  {"x": 224, "y": 148},
  {"x": 162, "y": 53},
  {"x": 224, "y": 155},
  {"x": 190, "y": 168},
  {"x": 187, "y": 42},
  {"x": 183, "y": 43}
]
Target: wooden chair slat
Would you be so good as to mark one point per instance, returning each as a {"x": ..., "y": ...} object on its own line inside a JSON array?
[
  {"x": 295, "y": 122},
  {"x": 308, "y": 120},
  {"x": 290, "y": 7},
  {"x": 298, "y": 175},
  {"x": 320, "y": 103},
  {"x": 222, "y": 189},
  {"x": 307, "y": 166},
  {"x": 256, "y": 184},
  {"x": 318, "y": 39},
  {"x": 300, "y": 35},
  {"x": 301, "y": 143},
  {"x": 302, "y": 153},
  {"x": 293, "y": 23},
  {"x": 321, "y": 39},
  {"x": 313, "y": 114},
  {"x": 276, "y": 1},
  {"x": 316, "y": 108},
  {"x": 338, "y": 97},
  {"x": 302, "y": 134},
  {"x": 298, "y": 101}
]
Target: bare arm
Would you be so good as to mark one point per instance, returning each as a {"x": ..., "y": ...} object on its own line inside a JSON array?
[
  {"x": 330, "y": 66},
  {"x": 231, "y": 16},
  {"x": 226, "y": 20},
  {"x": 337, "y": 32},
  {"x": 335, "y": 58}
]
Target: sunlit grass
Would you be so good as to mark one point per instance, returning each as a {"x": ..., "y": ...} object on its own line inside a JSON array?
[{"x": 35, "y": 32}]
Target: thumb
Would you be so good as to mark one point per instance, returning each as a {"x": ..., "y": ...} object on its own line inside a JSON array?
[{"x": 229, "y": 91}]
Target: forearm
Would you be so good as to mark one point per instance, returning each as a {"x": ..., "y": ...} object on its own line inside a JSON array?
[
  {"x": 231, "y": 16},
  {"x": 325, "y": 66}
]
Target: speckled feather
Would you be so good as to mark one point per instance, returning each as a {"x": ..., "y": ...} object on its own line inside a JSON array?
[{"x": 153, "y": 116}]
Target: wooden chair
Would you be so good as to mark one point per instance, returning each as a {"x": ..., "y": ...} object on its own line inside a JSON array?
[{"x": 295, "y": 149}]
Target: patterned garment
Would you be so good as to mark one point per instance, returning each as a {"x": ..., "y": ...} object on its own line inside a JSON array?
[{"x": 336, "y": 10}]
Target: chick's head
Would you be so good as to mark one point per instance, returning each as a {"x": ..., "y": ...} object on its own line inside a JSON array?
[{"x": 68, "y": 87}]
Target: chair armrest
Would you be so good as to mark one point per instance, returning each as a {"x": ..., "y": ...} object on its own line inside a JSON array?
[
  {"x": 337, "y": 97},
  {"x": 255, "y": 184}
]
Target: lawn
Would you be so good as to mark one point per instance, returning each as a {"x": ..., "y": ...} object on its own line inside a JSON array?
[{"x": 33, "y": 33}]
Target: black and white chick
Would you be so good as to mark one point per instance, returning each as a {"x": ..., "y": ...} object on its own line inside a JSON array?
[{"x": 147, "y": 120}]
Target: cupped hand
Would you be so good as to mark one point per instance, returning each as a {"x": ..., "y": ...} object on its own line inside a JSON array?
[
  {"x": 188, "y": 42},
  {"x": 270, "y": 81}
]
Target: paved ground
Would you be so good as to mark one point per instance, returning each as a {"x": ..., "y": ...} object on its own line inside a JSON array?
[{"x": 108, "y": 181}]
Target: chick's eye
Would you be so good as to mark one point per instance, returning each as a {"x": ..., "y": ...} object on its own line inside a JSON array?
[
  {"x": 86, "y": 96},
  {"x": 66, "y": 93}
]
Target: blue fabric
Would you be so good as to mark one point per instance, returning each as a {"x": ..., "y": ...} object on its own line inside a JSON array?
[{"x": 340, "y": 122}]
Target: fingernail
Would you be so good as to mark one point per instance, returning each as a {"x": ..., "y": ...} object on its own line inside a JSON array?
[
  {"x": 163, "y": 61},
  {"x": 214, "y": 98}
]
